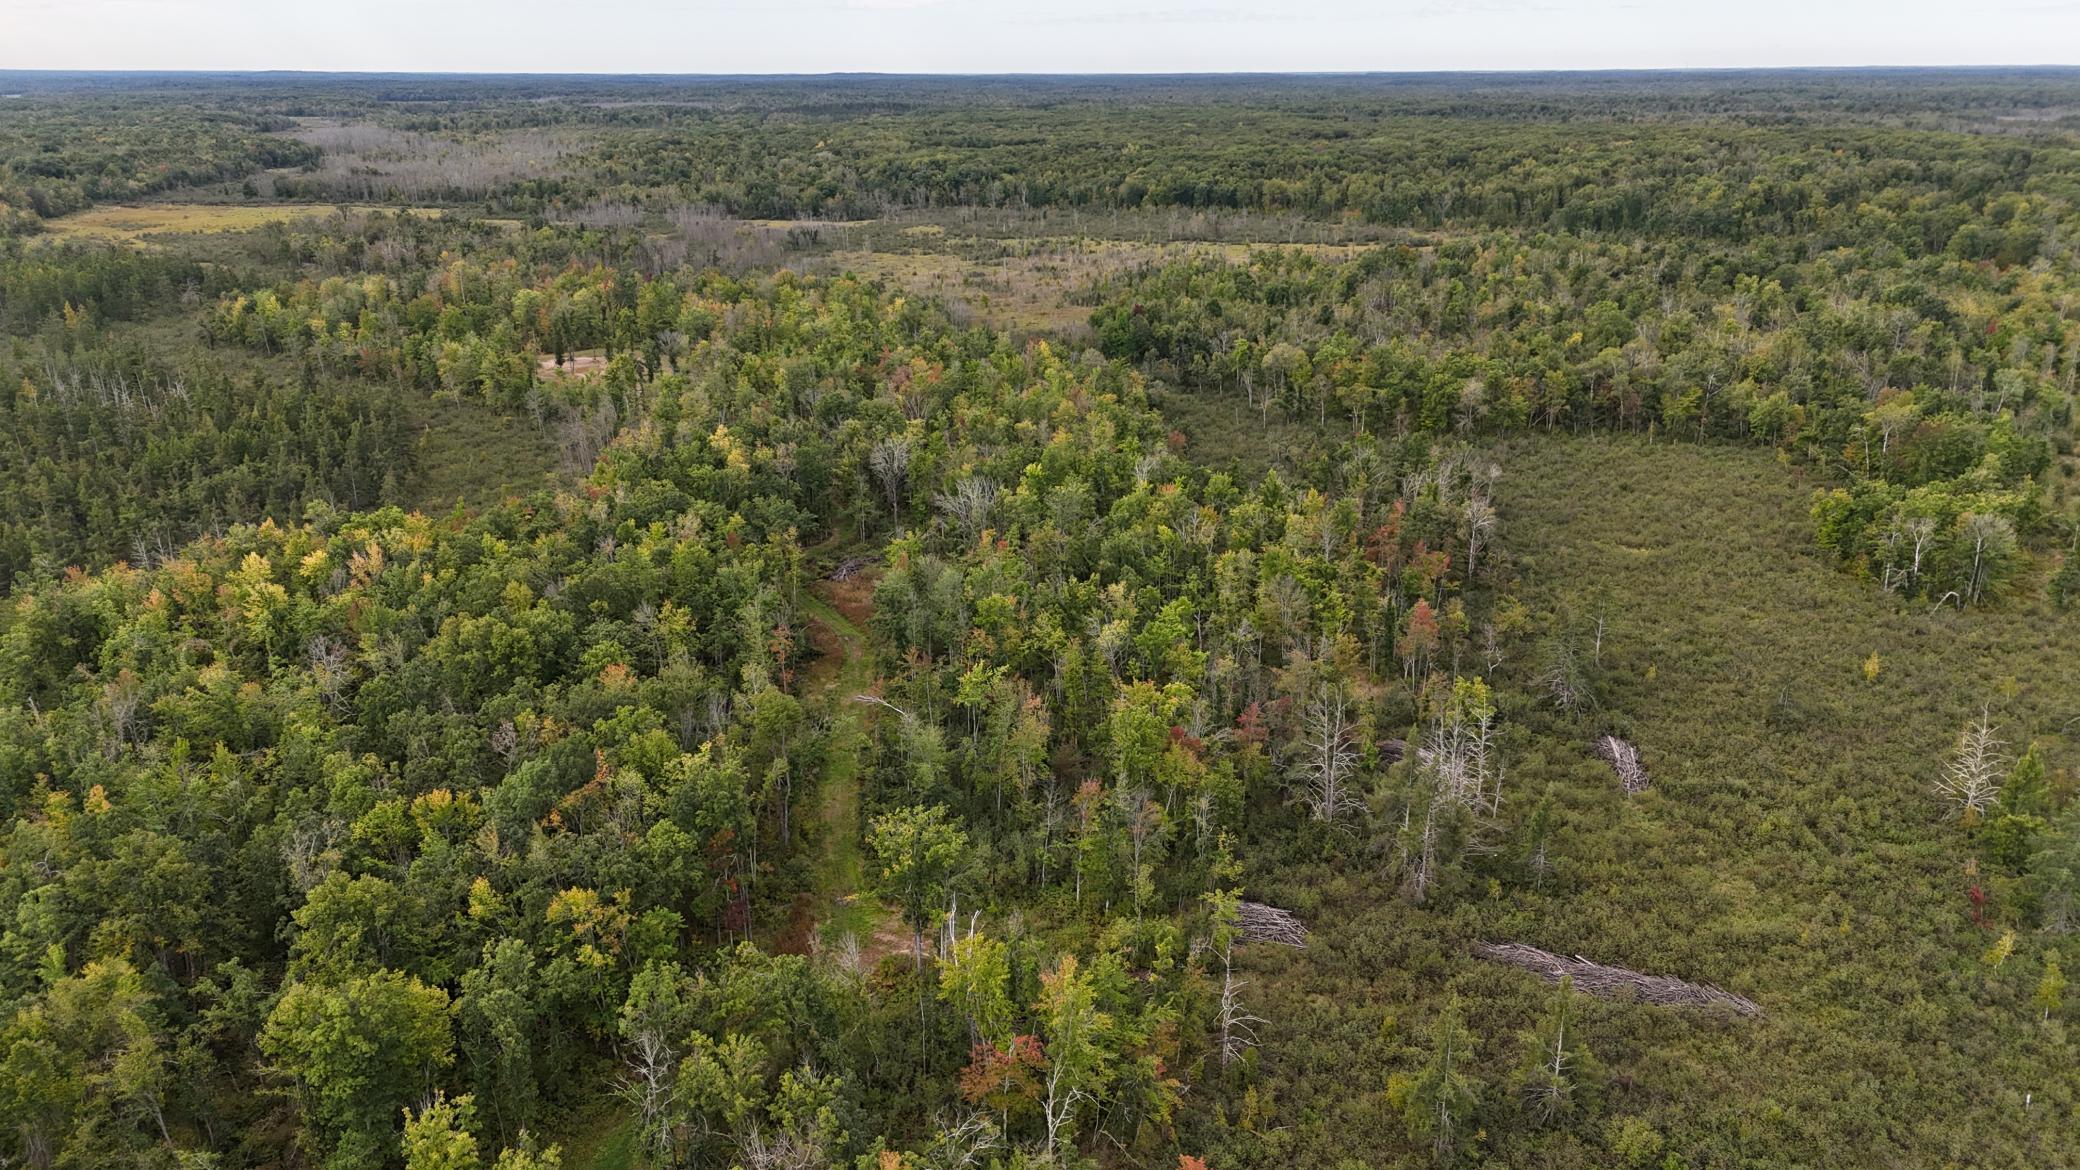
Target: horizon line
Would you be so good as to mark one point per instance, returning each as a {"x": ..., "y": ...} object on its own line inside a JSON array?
[{"x": 872, "y": 74}]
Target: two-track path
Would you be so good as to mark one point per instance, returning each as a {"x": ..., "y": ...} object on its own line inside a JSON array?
[{"x": 837, "y": 904}]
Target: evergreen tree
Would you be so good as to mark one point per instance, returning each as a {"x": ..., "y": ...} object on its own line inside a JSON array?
[{"x": 1440, "y": 1099}]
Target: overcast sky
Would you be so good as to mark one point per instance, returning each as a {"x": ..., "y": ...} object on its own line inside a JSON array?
[{"x": 995, "y": 36}]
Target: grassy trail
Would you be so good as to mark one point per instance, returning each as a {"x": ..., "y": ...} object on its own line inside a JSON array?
[{"x": 836, "y": 903}]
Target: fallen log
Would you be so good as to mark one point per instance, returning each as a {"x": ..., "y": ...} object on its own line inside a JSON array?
[
  {"x": 1624, "y": 760},
  {"x": 1260, "y": 923},
  {"x": 1608, "y": 982}
]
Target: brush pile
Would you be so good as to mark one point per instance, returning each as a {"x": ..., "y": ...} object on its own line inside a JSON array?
[
  {"x": 852, "y": 567},
  {"x": 1616, "y": 982},
  {"x": 1260, "y": 923},
  {"x": 1624, "y": 760}
]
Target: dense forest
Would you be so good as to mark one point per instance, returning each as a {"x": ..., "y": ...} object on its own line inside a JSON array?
[{"x": 1486, "y": 621}]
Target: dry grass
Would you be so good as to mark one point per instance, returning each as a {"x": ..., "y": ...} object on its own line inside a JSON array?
[
  {"x": 131, "y": 224},
  {"x": 1030, "y": 284}
]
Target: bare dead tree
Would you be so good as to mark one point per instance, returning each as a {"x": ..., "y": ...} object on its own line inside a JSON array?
[
  {"x": 890, "y": 461},
  {"x": 962, "y": 1141},
  {"x": 968, "y": 504},
  {"x": 1238, "y": 1027},
  {"x": 1971, "y": 781},
  {"x": 1059, "y": 1105},
  {"x": 1992, "y": 538},
  {"x": 852, "y": 567},
  {"x": 505, "y": 740},
  {"x": 1458, "y": 756},
  {"x": 312, "y": 851},
  {"x": 1562, "y": 677},
  {"x": 1481, "y": 522},
  {"x": 790, "y": 1150},
  {"x": 650, "y": 1082},
  {"x": 1547, "y": 1096},
  {"x": 1329, "y": 757}
]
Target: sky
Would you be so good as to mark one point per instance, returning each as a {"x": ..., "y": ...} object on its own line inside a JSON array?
[{"x": 1026, "y": 36}]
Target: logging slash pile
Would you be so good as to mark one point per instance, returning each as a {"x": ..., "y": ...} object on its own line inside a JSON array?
[
  {"x": 1260, "y": 923},
  {"x": 852, "y": 567},
  {"x": 1616, "y": 982},
  {"x": 1624, "y": 760}
]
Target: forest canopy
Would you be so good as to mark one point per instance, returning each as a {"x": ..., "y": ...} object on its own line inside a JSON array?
[{"x": 966, "y": 622}]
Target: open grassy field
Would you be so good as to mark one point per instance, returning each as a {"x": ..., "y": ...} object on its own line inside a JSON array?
[
  {"x": 134, "y": 223},
  {"x": 471, "y": 453},
  {"x": 1791, "y": 848},
  {"x": 1029, "y": 283}
]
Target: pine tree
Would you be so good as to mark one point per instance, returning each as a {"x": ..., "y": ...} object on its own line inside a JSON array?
[
  {"x": 1538, "y": 835},
  {"x": 1443, "y": 1095},
  {"x": 1557, "y": 1073}
]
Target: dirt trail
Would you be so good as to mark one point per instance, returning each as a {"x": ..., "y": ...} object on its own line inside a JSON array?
[{"x": 837, "y": 903}]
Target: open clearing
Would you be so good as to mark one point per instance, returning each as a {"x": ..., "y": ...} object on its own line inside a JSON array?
[
  {"x": 132, "y": 223},
  {"x": 1791, "y": 836},
  {"x": 1032, "y": 283}
]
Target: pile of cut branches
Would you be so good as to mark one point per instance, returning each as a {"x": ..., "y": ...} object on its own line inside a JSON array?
[
  {"x": 852, "y": 567},
  {"x": 1616, "y": 982},
  {"x": 1624, "y": 760},
  {"x": 1261, "y": 923}
]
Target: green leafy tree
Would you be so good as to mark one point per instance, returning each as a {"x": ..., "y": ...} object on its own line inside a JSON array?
[
  {"x": 722, "y": 1085},
  {"x": 1081, "y": 1050},
  {"x": 357, "y": 1051},
  {"x": 2054, "y": 873},
  {"x": 2013, "y": 825},
  {"x": 497, "y": 1019},
  {"x": 916, "y": 850},
  {"x": 438, "y": 1137},
  {"x": 84, "y": 1075},
  {"x": 2049, "y": 997},
  {"x": 975, "y": 980}
]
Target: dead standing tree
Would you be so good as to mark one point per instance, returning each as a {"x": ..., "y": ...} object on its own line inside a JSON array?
[
  {"x": 1624, "y": 760},
  {"x": 1329, "y": 760},
  {"x": 1608, "y": 982},
  {"x": 1971, "y": 781}
]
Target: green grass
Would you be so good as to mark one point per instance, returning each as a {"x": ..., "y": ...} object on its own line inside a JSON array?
[
  {"x": 837, "y": 873},
  {"x": 471, "y": 452},
  {"x": 605, "y": 1139},
  {"x": 1227, "y": 434}
]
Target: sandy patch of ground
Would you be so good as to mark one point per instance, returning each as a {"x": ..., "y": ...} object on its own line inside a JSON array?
[{"x": 577, "y": 365}]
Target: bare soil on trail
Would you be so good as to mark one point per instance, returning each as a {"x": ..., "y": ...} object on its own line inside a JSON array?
[{"x": 578, "y": 365}]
